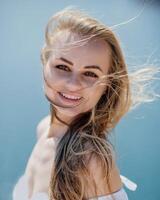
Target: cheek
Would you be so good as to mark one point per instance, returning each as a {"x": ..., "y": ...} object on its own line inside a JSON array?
[
  {"x": 47, "y": 90},
  {"x": 56, "y": 85},
  {"x": 94, "y": 96}
]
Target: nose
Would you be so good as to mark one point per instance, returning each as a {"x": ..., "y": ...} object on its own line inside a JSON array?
[{"x": 74, "y": 84}]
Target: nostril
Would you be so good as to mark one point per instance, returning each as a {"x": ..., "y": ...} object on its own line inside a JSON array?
[{"x": 73, "y": 86}]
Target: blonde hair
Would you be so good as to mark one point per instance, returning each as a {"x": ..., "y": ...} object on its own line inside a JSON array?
[{"x": 87, "y": 135}]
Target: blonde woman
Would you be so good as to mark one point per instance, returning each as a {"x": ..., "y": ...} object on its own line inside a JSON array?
[{"x": 89, "y": 90}]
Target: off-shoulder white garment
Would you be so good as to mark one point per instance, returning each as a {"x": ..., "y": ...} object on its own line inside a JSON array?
[{"x": 20, "y": 191}]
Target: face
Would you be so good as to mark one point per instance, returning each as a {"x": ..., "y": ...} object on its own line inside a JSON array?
[{"x": 72, "y": 76}]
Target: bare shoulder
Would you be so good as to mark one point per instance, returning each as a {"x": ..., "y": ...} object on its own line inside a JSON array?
[
  {"x": 42, "y": 126},
  {"x": 102, "y": 188}
]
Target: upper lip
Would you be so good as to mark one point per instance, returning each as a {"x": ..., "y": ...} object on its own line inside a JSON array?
[{"x": 75, "y": 95}]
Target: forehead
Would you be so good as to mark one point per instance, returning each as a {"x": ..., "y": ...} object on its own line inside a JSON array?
[{"x": 94, "y": 51}]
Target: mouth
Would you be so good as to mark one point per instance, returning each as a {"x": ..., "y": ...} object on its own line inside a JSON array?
[{"x": 69, "y": 98}]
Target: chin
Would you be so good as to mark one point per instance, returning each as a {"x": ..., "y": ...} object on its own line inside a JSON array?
[{"x": 68, "y": 113}]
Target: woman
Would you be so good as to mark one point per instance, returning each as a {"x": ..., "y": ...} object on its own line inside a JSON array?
[{"x": 89, "y": 90}]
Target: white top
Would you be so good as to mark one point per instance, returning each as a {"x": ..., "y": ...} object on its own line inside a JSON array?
[{"x": 20, "y": 191}]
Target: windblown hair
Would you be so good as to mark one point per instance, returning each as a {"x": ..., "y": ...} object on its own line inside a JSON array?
[{"x": 87, "y": 135}]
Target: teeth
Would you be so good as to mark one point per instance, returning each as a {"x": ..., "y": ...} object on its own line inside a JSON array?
[{"x": 70, "y": 97}]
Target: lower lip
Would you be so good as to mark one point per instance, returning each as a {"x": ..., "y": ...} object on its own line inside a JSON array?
[{"x": 69, "y": 100}]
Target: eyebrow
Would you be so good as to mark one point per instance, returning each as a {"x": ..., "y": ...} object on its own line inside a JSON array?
[{"x": 87, "y": 67}]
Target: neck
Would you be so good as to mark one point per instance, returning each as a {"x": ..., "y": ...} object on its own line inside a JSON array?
[{"x": 58, "y": 127}]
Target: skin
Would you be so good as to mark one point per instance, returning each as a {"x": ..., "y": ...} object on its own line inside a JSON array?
[
  {"x": 41, "y": 159},
  {"x": 75, "y": 78}
]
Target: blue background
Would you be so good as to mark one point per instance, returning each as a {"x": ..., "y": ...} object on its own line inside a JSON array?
[{"x": 23, "y": 105}]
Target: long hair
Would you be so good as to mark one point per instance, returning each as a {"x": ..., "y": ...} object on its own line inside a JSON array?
[{"x": 87, "y": 135}]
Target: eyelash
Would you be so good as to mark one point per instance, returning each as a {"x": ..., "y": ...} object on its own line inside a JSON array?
[{"x": 93, "y": 75}]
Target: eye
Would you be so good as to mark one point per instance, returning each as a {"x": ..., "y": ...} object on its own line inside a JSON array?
[
  {"x": 91, "y": 74},
  {"x": 62, "y": 67}
]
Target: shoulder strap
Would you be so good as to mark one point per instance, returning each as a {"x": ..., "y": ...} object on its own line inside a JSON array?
[{"x": 128, "y": 183}]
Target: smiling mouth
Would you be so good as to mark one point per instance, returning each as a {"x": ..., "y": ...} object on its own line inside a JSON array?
[{"x": 69, "y": 98}]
